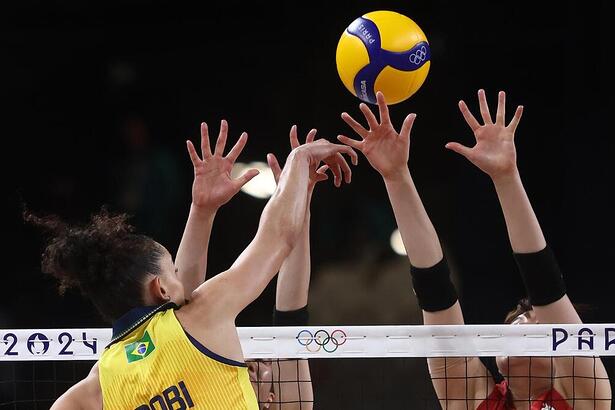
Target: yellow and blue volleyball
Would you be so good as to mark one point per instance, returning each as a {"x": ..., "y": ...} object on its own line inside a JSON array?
[{"x": 383, "y": 51}]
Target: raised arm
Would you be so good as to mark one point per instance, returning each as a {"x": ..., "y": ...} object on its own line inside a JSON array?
[
  {"x": 282, "y": 220},
  {"x": 388, "y": 152},
  {"x": 212, "y": 187},
  {"x": 495, "y": 154},
  {"x": 294, "y": 391},
  {"x": 217, "y": 302}
]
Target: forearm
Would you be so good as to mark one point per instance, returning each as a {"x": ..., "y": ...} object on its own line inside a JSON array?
[
  {"x": 284, "y": 215},
  {"x": 191, "y": 258},
  {"x": 291, "y": 310},
  {"x": 418, "y": 233},
  {"x": 298, "y": 395},
  {"x": 523, "y": 228},
  {"x": 536, "y": 262},
  {"x": 279, "y": 227},
  {"x": 545, "y": 287},
  {"x": 431, "y": 281},
  {"x": 293, "y": 385},
  {"x": 294, "y": 277}
]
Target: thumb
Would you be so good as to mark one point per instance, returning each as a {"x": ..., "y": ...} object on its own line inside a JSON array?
[
  {"x": 246, "y": 177},
  {"x": 350, "y": 142},
  {"x": 459, "y": 149},
  {"x": 321, "y": 173}
]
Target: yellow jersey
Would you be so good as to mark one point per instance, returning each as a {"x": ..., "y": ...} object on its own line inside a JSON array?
[{"x": 153, "y": 364}]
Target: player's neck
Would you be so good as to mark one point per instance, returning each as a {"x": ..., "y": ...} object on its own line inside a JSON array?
[{"x": 526, "y": 390}]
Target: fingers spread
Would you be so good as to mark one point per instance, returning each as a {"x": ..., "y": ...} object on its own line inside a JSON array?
[
  {"x": 501, "y": 112},
  {"x": 407, "y": 126},
  {"x": 516, "y": 118},
  {"x": 294, "y": 140},
  {"x": 238, "y": 147},
  {"x": 369, "y": 116},
  {"x": 383, "y": 108},
  {"x": 467, "y": 115},
  {"x": 245, "y": 177},
  {"x": 205, "y": 148},
  {"x": 358, "y": 128},
  {"x": 194, "y": 157},
  {"x": 275, "y": 166},
  {"x": 460, "y": 149},
  {"x": 311, "y": 135},
  {"x": 221, "y": 143},
  {"x": 484, "y": 108},
  {"x": 349, "y": 141},
  {"x": 500, "y": 115}
]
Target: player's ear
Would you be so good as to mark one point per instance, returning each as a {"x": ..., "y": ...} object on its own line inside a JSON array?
[
  {"x": 270, "y": 398},
  {"x": 157, "y": 291}
]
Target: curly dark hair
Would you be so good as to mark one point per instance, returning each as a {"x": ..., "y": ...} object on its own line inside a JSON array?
[{"x": 104, "y": 259}]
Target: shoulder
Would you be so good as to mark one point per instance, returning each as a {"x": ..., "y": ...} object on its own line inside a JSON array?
[
  {"x": 207, "y": 302},
  {"x": 85, "y": 395}
]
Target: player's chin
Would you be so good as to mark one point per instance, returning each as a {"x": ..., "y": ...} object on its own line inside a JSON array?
[
  {"x": 502, "y": 363},
  {"x": 520, "y": 366}
]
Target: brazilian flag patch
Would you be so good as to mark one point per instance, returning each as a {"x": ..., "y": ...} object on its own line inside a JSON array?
[{"x": 140, "y": 349}]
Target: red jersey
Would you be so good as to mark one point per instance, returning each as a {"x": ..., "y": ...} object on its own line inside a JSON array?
[{"x": 549, "y": 400}]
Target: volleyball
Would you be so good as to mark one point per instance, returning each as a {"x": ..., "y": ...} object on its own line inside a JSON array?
[{"x": 383, "y": 51}]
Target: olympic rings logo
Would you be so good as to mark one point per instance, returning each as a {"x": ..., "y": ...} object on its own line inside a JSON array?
[
  {"x": 321, "y": 340},
  {"x": 418, "y": 56}
]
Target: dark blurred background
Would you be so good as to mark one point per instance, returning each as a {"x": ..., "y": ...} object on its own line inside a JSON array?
[{"x": 100, "y": 97}]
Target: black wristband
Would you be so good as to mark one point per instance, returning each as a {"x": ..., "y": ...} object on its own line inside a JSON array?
[
  {"x": 541, "y": 276},
  {"x": 433, "y": 287},
  {"x": 297, "y": 317}
]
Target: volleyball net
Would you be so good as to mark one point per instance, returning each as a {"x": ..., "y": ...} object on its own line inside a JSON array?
[{"x": 356, "y": 367}]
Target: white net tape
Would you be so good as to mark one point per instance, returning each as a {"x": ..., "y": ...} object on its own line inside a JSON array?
[{"x": 345, "y": 341}]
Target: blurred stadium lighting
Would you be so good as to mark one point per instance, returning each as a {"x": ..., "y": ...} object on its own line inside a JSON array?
[
  {"x": 261, "y": 186},
  {"x": 397, "y": 244}
]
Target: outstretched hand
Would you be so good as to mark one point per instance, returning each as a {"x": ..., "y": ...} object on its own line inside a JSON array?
[
  {"x": 386, "y": 150},
  {"x": 494, "y": 152},
  {"x": 322, "y": 150},
  {"x": 213, "y": 185},
  {"x": 317, "y": 173}
]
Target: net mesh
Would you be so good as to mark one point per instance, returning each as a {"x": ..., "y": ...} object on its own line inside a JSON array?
[{"x": 359, "y": 367}]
